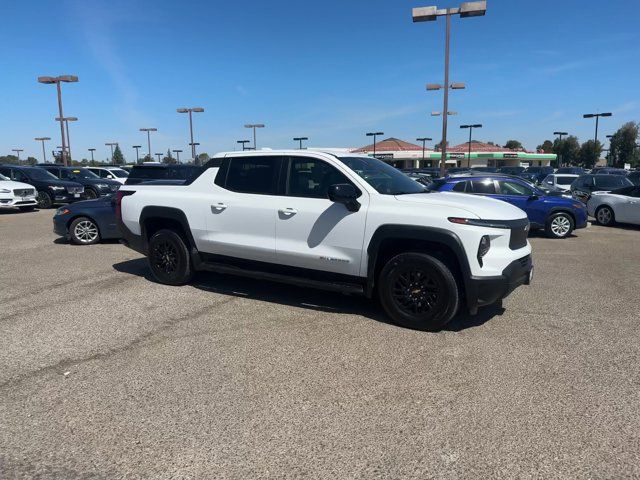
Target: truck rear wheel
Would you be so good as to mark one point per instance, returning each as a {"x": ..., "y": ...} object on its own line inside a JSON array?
[
  {"x": 418, "y": 291},
  {"x": 169, "y": 258}
]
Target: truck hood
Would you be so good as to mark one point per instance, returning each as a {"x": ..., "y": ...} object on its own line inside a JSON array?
[{"x": 478, "y": 206}]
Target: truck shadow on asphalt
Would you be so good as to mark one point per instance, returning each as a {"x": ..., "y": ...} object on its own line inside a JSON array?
[{"x": 300, "y": 297}]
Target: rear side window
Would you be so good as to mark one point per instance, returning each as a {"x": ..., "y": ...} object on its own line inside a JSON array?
[
  {"x": 253, "y": 175},
  {"x": 460, "y": 187},
  {"x": 484, "y": 187},
  {"x": 611, "y": 181}
]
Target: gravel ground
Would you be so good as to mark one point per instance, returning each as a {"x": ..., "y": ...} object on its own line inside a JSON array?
[{"x": 105, "y": 374}]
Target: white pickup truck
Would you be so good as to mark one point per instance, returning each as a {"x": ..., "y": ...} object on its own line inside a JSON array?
[{"x": 341, "y": 222}]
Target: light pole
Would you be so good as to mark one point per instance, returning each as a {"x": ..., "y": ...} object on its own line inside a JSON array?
[
  {"x": 111, "y": 144},
  {"x": 177, "y": 152},
  {"x": 426, "y": 14},
  {"x": 92, "y": 150},
  {"x": 190, "y": 111},
  {"x": 254, "y": 126},
  {"x": 66, "y": 126},
  {"x": 424, "y": 141},
  {"x": 244, "y": 142},
  {"x": 470, "y": 127},
  {"x": 560, "y": 135},
  {"x": 44, "y": 153},
  {"x": 137, "y": 147},
  {"x": 149, "y": 130},
  {"x": 597, "y": 116},
  {"x": 300, "y": 139},
  {"x": 375, "y": 136},
  {"x": 17, "y": 150},
  {"x": 193, "y": 146},
  {"x": 159, "y": 155},
  {"x": 57, "y": 81}
]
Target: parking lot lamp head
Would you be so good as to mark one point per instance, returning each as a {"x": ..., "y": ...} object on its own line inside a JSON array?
[
  {"x": 17, "y": 150},
  {"x": 92, "y": 150},
  {"x": 424, "y": 141},
  {"x": 177, "y": 152},
  {"x": 243, "y": 143},
  {"x": 137, "y": 148},
  {"x": 300, "y": 140},
  {"x": 597, "y": 117}
]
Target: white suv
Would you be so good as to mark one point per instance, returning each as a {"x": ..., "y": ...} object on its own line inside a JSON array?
[
  {"x": 111, "y": 173},
  {"x": 17, "y": 194},
  {"x": 342, "y": 222}
]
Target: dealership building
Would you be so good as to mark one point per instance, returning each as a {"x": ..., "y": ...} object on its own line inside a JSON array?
[{"x": 403, "y": 154}]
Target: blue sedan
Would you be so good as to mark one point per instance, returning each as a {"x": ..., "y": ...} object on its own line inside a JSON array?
[
  {"x": 556, "y": 214},
  {"x": 87, "y": 222}
]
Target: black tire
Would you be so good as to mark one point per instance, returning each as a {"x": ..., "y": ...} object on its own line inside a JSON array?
[
  {"x": 84, "y": 231},
  {"x": 169, "y": 258},
  {"x": 605, "y": 216},
  {"x": 90, "y": 194},
  {"x": 44, "y": 200},
  {"x": 29, "y": 208},
  {"x": 559, "y": 225},
  {"x": 418, "y": 291}
]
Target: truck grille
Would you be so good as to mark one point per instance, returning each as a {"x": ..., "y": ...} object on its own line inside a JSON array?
[
  {"x": 24, "y": 192},
  {"x": 519, "y": 234},
  {"x": 75, "y": 189}
]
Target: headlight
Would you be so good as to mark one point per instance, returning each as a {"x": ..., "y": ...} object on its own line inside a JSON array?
[
  {"x": 63, "y": 211},
  {"x": 4, "y": 190},
  {"x": 102, "y": 185},
  {"x": 56, "y": 188},
  {"x": 483, "y": 248}
]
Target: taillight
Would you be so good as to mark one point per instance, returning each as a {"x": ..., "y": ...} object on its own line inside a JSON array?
[{"x": 119, "y": 195}]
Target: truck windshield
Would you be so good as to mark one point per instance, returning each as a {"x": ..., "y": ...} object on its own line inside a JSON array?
[{"x": 383, "y": 177}]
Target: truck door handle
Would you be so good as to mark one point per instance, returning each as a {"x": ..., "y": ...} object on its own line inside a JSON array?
[
  {"x": 288, "y": 211},
  {"x": 217, "y": 208}
]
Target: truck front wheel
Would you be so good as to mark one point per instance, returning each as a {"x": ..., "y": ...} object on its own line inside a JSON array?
[
  {"x": 418, "y": 291},
  {"x": 169, "y": 258}
]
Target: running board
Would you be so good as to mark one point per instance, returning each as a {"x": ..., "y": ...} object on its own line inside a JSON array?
[{"x": 352, "y": 288}]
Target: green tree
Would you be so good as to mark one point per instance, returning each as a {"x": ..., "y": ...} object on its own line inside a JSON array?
[
  {"x": 567, "y": 150},
  {"x": 32, "y": 161},
  {"x": 168, "y": 158},
  {"x": 545, "y": 147},
  {"x": 9, "y": 159},
  {"x": 513, "y": 145},
  {"x": 203, "y": 158},
  {"x": 589, "y": 153},
  {"x": 118, "y": 157},
  {"x": 623, "y": 146}
]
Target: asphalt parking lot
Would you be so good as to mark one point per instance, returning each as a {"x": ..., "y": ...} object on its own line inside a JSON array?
[{"x": 105, "y": 374}]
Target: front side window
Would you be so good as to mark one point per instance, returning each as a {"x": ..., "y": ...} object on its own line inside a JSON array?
[
  {"x": 484, "y": 187},
  {"x": 253, "y": 175},
  {"x": 18, "y": 176},
  {"x": 514, "y": 188},
  {"x": 384, "y": 178},
  {"x": 41, "y": 174},
  {"x": 612, "y": 181},
  {"x": 311, "y": 178},
  {"x": 565, "y": 180}
]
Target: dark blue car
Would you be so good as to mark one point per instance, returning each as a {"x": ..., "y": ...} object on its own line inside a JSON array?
[
  {"x": 87, "y": 222},
  {"x": 557, "y": 215}
]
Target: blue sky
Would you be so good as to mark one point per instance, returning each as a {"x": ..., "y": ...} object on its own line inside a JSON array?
[{"x": 329, "y": 70}]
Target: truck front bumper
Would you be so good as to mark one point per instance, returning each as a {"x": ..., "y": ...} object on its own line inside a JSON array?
[{"x": 483, "y": 291}]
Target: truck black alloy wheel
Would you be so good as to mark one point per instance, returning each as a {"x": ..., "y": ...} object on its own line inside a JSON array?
[
  {"x": 418, "y": 291},
  {"x": 44, "y": 200},
  {"x": 169, "y": 258}
]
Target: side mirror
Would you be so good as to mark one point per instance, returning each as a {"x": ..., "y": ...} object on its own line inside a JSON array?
[
  {"x": 109, "y": 176},
  {"x": 533, "y": 197},
  {"x": 346, "y": 194}
]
